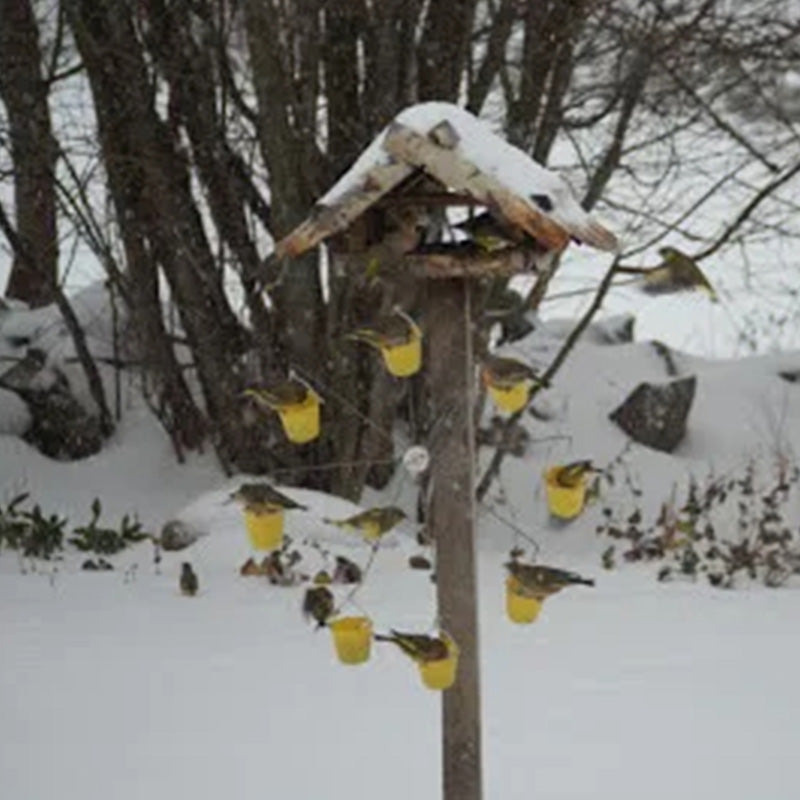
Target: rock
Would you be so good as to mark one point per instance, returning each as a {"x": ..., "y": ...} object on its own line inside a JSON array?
[
  {"x": 655, "y": 414},
  {"x": 178, "y": 535}
]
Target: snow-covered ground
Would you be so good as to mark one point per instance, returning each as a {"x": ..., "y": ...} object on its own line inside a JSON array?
[{"x": 114, "y": 685}]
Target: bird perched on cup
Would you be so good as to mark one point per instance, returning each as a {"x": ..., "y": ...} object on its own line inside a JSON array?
[
  {"x": 278, "y": 396},
  {"x": 262, "y": 498},
  {"x": 570, "y": 475},
  {"x": 505, "y": 373},
  {"x": 388, "y": 330},
  {"x": 372, "y": 523},
  {"x": 318, "y": 604},
  {"x": 539, "y": 581},
  {"x": 189, "y": 583},
  {"x": 418, "y": 646}
]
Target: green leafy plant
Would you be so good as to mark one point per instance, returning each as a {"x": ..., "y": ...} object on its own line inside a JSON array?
[
  {"x": 95, "y": 538},
  {"x": 33, "y": 533}
]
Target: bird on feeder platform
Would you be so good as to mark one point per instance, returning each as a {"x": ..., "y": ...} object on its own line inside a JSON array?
[
  {"x": 318, "y": 604},
  {"x": 389, "y": 330},
  {"x": 261, "y": 498},
  {"x": 491, "y": 233},
  {"x": 506, "y": 373},
  {"x": 188, "y": 581},
  {"x": 539, "y": 581},
  {"x": 419, "y": 646},
  {"x": 570, "y": 475},
  {"x": 372, "y": 523}
]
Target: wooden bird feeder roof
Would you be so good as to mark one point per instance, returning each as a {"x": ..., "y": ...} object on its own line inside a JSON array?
[{"x": 473, "y": 165}]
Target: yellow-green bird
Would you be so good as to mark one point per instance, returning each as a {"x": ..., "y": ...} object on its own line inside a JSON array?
[
  {"x": 570, "y": 475},
  {"x": 389, "y": 330},
  {"x": 318, "y": 604},
  {"x": 677, "y": 272},
  {"x": 506, "y": 373},
  {"x": 418, "y": 646},
  {"x": 492, "y": 234},
  {"x": 290, "y": 392},
  {"x": 262, "y": 498},
  {"x": 372, "y": 523},
  {"x": 537, "y": 580}
]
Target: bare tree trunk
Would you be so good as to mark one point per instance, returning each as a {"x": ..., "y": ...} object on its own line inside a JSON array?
[
  {"x": 24, "y": 93},
  {"x": 451, "y": 521}
]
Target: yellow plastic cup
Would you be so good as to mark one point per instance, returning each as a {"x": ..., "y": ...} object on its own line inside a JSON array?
[
  {"x": 301, "y": 420},
  {"x": 510, "y": 400},
  {"x": 565, "y": 502},
  {"x": 265, "y": 530},
  {"x": 404, "y": 360},
  {"x": 441, "y": 674},
  {"x": 519, "y": 608},
  {"x": 352, "y": 639}
]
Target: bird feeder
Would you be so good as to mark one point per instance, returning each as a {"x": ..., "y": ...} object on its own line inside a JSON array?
[
  {"x": 404, "y": 360},
  {"x": 510, "y": 399},
  {"x": 265, "y": 529},
  {"x": 565, "y": 502},
  {"x": 352, "y": 639},
  {"x": 301, "y": 420},
  {"x": 521, "y": 608},
  {"x": 441, "y": 673}
]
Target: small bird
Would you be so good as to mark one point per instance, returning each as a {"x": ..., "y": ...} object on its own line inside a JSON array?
[
  {"x": 188, "y": 582},
  {"x": 536, "y": 580},
  {"x": 318, "y": 604},
  {"x": 389, "y": 330},
  {"x": 570, "y": 475},
  {"x": 290, "y": 392},
  {"x": 492, "y": 234},
  {"x": 346, "y": 571},
  {"x": 506, "y": 373},
  {"x": 677, "y": 272},
  {"x": 322, "y": 578},
  {"x": 372, "y": 523},
  {"x": 263, "y": 498},
  {"x": 419, "y": 646}
]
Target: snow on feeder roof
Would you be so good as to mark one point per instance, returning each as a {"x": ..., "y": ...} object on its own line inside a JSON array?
[{"x": 462, "y": 154}]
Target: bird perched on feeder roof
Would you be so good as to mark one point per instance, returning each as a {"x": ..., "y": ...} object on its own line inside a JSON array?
[
  {"x": 419, "y": 646},
  {"x": 188, "y": 581},
  {"x": 505, "y": 373},
  {"x": 570, "y": 475},
  {"x": 536, "y": 580},
  {"x": 372, "y": 523},
  {"x": 388, "y": 330},
  {"x": 318, "y": 604},
  {"x": 261, "y": 498}
]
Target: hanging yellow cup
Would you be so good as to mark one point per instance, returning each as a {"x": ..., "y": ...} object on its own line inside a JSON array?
[
  {"x": 352, "y": 639},
  {"x": 404, "y": 360},
  {"x": 265, "y": 530},
  {"x": 564, "y": 501},
  {"x": 510, "y": 399},
  {"x": 519, "y": 608},
  {"x": 301, "y": 420},
  {"x": 440, "y": 674}
]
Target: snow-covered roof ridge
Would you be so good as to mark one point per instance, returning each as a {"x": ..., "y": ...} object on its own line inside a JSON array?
[{"x": 466, "y": 156}]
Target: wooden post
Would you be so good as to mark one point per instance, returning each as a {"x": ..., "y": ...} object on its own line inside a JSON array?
[{"x": 451, "y": 519}]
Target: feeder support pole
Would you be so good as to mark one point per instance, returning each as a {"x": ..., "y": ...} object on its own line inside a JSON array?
[{"x": 451, "y": 519}]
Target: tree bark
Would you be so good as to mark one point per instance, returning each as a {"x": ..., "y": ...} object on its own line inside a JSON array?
[{"x": 33, "y": 150}]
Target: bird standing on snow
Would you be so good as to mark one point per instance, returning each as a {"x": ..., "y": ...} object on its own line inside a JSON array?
[
  {"x": 188, "y": 581},
  {"x": 372, "y": 523},
  {"x": 419, "y": 646},
  {"x": 538, "y": 581},
  {"x": 318, "y": 604}
]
